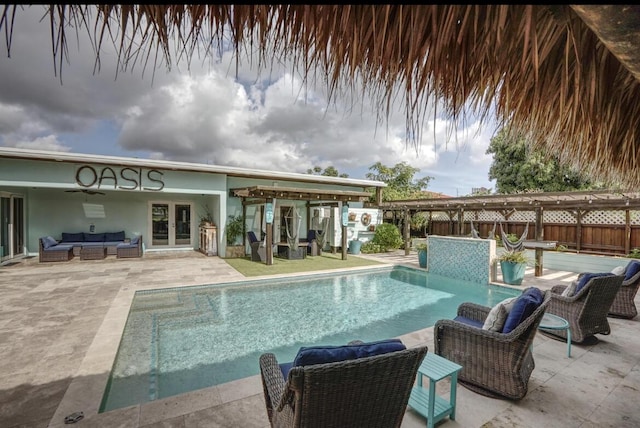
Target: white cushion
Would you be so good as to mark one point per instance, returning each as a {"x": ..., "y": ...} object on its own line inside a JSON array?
[
  {"x": 618, "y": 270},
  {"x": 498, "y": 315},
  {"x": 570, "y": 290}
]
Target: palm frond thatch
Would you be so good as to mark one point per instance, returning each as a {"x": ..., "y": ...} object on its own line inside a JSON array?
[{"x": 568, "y": 77}]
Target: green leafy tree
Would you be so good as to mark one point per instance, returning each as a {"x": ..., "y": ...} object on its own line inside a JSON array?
[
  {"x": 400, "y": 180},
  {"x": 516, "y": 167},
  {"x": 329, "y": 171}
]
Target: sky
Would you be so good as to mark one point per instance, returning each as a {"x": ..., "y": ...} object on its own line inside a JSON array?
[{"x": 205, "y": 112}]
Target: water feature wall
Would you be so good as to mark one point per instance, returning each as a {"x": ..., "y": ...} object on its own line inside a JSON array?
[{"x": 468, "y": 259}]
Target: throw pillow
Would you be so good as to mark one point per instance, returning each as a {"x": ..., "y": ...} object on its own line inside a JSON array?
[
  {"x": 496, "y": 318},
  {"x": 570, "y": 290},
  {"x": 618, "y": 270},
  {"x": 632, "y": 269},
  {"x": 48, "y": 242},
  {"x": 331, "y": 354},
  {"x": 524, "y": 306},
  {"x": 135, "y": 240},
  {"x": 585, "y": 277},
  {"x": 498, "y": 315}
]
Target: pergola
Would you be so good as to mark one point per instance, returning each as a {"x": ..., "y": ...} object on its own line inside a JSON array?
[
  {"x": 577, "y": 203},
  {"x": 254, "y": 195}
]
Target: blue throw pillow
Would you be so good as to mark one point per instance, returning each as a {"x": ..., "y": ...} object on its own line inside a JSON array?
[
  {"x": 93, "y": 237},
  {"x": 72, "y": 237},
  {"x": 112, "y": 237},
  {"x": 585, "y": 277},
  {"x": 632, "y": 269},
  {"x": 135, "y": 240},
  {"x": 48, "y": 242},
  {"x": 331, "y": 354},
  {"x": 524, "y": 306}
]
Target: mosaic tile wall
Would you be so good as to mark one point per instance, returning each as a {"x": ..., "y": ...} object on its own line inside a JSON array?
[{"x": 461, "y": 258}]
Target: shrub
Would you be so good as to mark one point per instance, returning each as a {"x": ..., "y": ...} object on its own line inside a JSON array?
[
  {"x": 634, "y": 254},
  {"x": 370, "y": 247},
  {"x": 514, "y": 257},
  {"x": 234, "y": 228},
  {"x": 387, "y": 236}
]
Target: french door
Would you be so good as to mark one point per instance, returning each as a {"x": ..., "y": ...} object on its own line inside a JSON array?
[
  {"x": 171, "y": 224},
  {"x": 11, "y": 226}
]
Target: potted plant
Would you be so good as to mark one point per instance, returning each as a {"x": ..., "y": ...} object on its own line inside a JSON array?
[
  {"x": 206, "y": 218},
  {"x": 422, "y": 248},
  {"x": 513, "y": 265},
  {"x": 234, "y": 228}
]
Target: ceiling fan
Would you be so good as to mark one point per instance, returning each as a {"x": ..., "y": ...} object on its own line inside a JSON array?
[{"x": 86, "y": 191}]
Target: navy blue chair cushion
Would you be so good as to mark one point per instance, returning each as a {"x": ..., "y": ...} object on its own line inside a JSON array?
[
  {"x": 469, "y": 321},
  {"x": 524, "y": 306},
  {"x": 584, "y": 278},
  {"x": 330, "y": 354},
  {"x": 60, "y": 247},
  {"x": 135, "y": 240},
  {"x": 114, "y": 236},
  {"x": 48, "y": 242},
  {"x": 632, "y": 269},
  {"x": 72, "y": 237},
  {"x": 93, "y": 237},
  {"x": 252, "y": 236}
]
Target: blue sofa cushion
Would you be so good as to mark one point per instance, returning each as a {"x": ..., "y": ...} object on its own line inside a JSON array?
[
  {"x": 126, "y": 245},
  {"x": 48, "y": 242},
  {"x": 584, "y": 278},
  {"x": 331, "y": 354},
  {"x": 60, "y": 247},
  {"x": 72, "y": 237},
  {"x": 93, "y": 244},
  {"x": 469, "y": 321},
  {"x": 114, "y": 236},
  {"x": 93, "y": 237},
  {"x": 135, "y": 240},
  {"x": 632, "y": 269},
  {"x": 524, "y": 306}
]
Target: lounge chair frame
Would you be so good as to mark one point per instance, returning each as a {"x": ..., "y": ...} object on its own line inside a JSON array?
[
  {"x": 623, "y": 305},
  {"x": 370, "y": 392},
  {"x": 587, "y": 310},
  {"x": 494, "y": 364}
]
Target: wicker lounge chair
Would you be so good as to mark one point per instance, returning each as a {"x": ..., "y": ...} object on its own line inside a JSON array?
[
  {"x": 494, "y": 364},
  {"x": 586, "y": 311},
  {"x": 623, "y": 305},
  {"x": 366, "y": 392}
]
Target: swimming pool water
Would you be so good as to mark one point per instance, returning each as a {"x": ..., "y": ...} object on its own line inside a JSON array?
[{"x": 182, "y": 339}]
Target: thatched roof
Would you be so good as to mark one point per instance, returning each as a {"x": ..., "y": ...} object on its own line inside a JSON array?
[{"x": 567, "y": 76}]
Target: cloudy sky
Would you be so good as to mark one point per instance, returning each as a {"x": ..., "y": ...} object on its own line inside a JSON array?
[{"x": 206, "y": 113}]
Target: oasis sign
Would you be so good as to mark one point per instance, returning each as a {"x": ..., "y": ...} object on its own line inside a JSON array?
[{"x": 125, "y": 179}]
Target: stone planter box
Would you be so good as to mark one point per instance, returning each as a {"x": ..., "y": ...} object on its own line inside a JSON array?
[{"x": 234, "y": 252}]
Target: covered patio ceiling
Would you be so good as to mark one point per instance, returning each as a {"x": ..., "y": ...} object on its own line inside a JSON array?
[
  {"x": 260, "y": 194},
  {"x": 582, "y": 200}
]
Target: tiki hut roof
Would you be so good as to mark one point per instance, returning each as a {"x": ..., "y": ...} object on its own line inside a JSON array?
[{"x": 567, "y": 76}]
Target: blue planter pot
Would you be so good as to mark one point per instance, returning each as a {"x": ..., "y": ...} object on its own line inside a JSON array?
[
  {"x": 422, "y": 258},
  {"x": 354, "y": 247},
  {"x": 512, "y": 273}
]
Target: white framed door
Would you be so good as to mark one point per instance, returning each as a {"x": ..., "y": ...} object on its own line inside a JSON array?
[
  {"x": 170, "y": 224},
  {"x": 11, "y": 226}
]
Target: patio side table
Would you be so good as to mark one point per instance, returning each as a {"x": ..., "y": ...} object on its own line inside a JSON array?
[
  {"x": 425, "y": 401},
  {"x": 554, "y": 322}
]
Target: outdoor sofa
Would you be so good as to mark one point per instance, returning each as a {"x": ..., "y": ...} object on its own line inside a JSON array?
[{"x": 51, "y": 250}]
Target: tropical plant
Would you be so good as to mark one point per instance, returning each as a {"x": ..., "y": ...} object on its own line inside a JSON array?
[
  {"x": 234, "y": 228},
  {"x": 206, "y": 216},
  {"x": 423, "y": 246},
  {"x": 387, "y": 236},
  {"x": 419, "y": 222},
  {"x": 514, "y": 257},
  {"x": 370, "y": 247}
]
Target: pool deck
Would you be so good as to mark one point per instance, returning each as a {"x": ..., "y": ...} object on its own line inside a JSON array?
[{"x": 60, "y": 326}]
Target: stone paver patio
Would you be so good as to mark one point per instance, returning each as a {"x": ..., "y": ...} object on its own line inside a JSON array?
[{"x": 60, "y": 327}]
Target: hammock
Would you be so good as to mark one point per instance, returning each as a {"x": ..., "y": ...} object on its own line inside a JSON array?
[
  {"x": 321, "y": 234},
  {"x": 475, "y": 234},
  {"x": 292, "y": 225},
  {"x": 514, "y": 246}
]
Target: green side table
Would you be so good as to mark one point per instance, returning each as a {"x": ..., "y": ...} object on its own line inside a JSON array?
[{"x": 425, "y": 401}]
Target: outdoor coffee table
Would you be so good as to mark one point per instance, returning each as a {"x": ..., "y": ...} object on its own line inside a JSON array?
[
  {"x": 554, "y": 322},
  {"x": 93, "y": 253}
]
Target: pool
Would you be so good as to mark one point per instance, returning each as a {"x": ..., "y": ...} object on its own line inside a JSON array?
[{"x": 182, "y": 339}]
